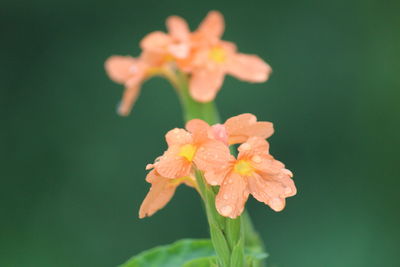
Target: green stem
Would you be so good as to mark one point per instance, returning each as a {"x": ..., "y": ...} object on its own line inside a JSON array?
[
  {"x": 191, "y": 108},
  {"x": 229, "y": 236},
  {"x": 216, "y": 222}
]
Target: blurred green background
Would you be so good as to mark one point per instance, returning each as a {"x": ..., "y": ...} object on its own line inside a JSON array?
[{"x": 72, "y": 171}]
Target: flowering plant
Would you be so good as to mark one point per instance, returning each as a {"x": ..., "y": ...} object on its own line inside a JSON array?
[{"x": 202, "y": 155}]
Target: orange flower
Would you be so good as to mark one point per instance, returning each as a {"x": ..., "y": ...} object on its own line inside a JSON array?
[
  {"x": 161, "y": 52},
  {"x": 130, "y": 72},
  {"x": 201, "y": 54},
  {"x": 239, "y": 128},
  {"x": 161, "y": 191},
  {"x": 214, "y": 58},
  {"x": 254, "y": 172},
  {"x": 172, "y": 47},
  {"x": 188, "y": 148}
]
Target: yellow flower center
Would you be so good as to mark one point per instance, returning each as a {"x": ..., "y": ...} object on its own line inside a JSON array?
[
  {"x": 187, "y": 151},
  {"x": 243, "y": 167},
  {"x": 154, "y": 71},
  {"x": 217, "y": 54},
  {"x": 178, "y": 181},
  {"x": 169, "y": 58}
]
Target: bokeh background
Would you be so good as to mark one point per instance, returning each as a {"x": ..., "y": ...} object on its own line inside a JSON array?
[{"x": 72, "y": 171}]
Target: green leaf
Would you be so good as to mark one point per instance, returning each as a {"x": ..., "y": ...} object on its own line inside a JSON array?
[
  {"x": 257, "y": 254},
  {"x": 191, "y": 108},
  {"x": 191, "y": 253},
  {"x": 174, "y": 255},
  {"x": 233, "y": 231},
  {"x": 255, "y": 257},
  {"x": 220, "y": 245},
  {"x": 208, "y": 196},
  {"x": 202, "y": 262},
  {"x": 212, "y": 213},
  {"x": 252, "y": 238},
  {"x": 237, "y": 257}
]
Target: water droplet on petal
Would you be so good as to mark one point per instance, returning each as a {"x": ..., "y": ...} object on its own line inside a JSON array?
[
  {"x": 277, "y": 204},
  {"x": 256, "y": 159},
  {"x": 226, "y": 210},
  {"x": 245, "y": 146},
  {"x": 133, "y": 69}
]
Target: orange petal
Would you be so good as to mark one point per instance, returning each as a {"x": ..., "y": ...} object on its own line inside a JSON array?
[
  {"x": 232, "y": 196},
  {"x": 272, "y": 190},
  {"x": 254, "y": 146},
  {"x": 178, "y": 28},
  {"x": 266, "y": 192},
  {"x": 120, "y": 68},
  {"x": 160, "y": 194},
  {"x": 243, "y": 126},
  {"x": 213, "y": 25},
  {"x": 171, "y": 165},
  {"x": 152, "y": 59},
  {"x": 248, "y": 68},
  {"x": 256, "y": 150},
  {"x": 285, "y": 178},
  {"x": 205, "y": 84},
  {"x": 155, "y": 41},
  {"x": 219, "y": 133},
  {"x": 128, "y": 99},
  {"x": 212, "y": 155},
  {"x": 217, "y": 175},
  {"x": 258, "y": 188},
  {"x": 199, "y": 129},
  {"x": 178, "y": 137},
  {"x": 190, "y": 181},
  {"x": 267, "y": 164},
  {"x": 180, "y": 51}
]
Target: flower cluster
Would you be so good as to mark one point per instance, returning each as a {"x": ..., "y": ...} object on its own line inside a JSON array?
[
  {"x": 201, "y": 54},
  {"x": 207, "y": 149}
]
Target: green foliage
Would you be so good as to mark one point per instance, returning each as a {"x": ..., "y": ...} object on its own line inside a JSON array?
[
  {"x": 237, "y": 257},
  {"x": 192, "y": 253},
  {"x": 220, "y": 245},
  {"x": 233, "y": 231},
  {"x": 202, "y": 262},
  {"x": 254, "y": 257},
  {"x": 186, "y": 252},
  {"x": 191, "y": 108}
]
